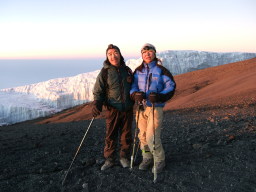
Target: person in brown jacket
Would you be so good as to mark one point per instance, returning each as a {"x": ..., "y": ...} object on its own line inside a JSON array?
[{"x": 112, "y": 89}]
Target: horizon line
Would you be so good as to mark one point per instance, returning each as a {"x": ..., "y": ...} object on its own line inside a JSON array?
[{"x": 130, "y": 56}]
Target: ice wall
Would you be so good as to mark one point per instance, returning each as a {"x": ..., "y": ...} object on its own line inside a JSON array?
[
  {"x": 179, "y": 62},
  {"x": 45, "y": 98}
]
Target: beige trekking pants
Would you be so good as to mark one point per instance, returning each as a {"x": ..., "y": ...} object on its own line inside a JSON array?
[{"x": 145, "y": 125}]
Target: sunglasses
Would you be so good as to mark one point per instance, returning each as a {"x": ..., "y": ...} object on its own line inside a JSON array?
[{"x": 146, "y": 48}]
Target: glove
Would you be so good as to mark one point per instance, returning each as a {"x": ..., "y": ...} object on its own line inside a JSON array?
[
  {"x": 97, "y": 108},
  {"x": 153, "y": 97},
  {"x": 138, "y": 96}
]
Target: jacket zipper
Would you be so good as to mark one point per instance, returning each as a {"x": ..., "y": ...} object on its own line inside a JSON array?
[
  {"x": 121, "y": 88},
  {"x": 147, "y": 83}
]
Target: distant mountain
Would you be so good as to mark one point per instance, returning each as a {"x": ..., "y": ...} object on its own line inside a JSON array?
[
  {"x": 179, "y": 62},
  {"x": 45, "y": 98}
]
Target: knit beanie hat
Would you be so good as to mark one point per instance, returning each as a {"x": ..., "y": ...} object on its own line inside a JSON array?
[{"x": 148, "y": 46}]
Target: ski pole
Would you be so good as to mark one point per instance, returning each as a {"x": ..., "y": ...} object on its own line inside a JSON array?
[
  {"x": 135, "y": 135},
  {"x": 138, "y": 146},
  {"x": 77, "y": 150},
  {"x": 154, "y": 142}
]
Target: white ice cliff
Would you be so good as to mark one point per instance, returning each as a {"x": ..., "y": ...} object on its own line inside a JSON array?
[
  {"x": 41, "y": 99},
  {"x": 45, "y": 98},
  {"x": 179, "y": 62}
]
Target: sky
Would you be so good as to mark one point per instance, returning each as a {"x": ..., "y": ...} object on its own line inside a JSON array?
[
  {"x": 42, "y": 40},
  {"x": 62, "y": 29}
]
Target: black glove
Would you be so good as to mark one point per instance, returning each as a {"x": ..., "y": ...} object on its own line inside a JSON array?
[
  {"x": 138, "y": 96},
  {"x": 97, "y": 108},
  {"x": 153, "y": 97}
]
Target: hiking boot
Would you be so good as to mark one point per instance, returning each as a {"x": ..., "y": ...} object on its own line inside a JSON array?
[
  {"x": 124, "y": 162},
  {"x": 159, "y": 167},
  {"x": 144, "y": 165},
  {"x": 108, "y": 163}
]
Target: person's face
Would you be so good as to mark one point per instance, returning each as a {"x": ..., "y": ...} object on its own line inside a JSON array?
[
  {"x": 148, "y": 56},
  {"x": 113, "y": 57}
]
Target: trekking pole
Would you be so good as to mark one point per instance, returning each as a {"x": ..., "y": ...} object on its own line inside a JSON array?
[
  {"x": 77, "y": 150},
  {"x": 154, "y": 142},
  {"x": 135, "y": 135},
  {"x": 138, "y": 146}
]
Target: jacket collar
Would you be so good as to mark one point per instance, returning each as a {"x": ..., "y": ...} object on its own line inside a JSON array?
[
  {"x": 108, "y": 65},
  {"x": 150, "y": 65}
]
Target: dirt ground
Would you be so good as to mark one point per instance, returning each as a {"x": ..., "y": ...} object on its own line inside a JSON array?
[{"x": 207, "y": 149}]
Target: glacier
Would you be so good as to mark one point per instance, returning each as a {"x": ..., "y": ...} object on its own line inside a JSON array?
[
  {"x": 46, "y": 98},
  {"x": 179, "y": 62}
]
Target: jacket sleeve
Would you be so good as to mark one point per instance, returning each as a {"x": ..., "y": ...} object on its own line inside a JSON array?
[
  {"x": 99, "y": 90},
  {"x": 134, "y": 87},
  {"x": 169, "y": 86}
]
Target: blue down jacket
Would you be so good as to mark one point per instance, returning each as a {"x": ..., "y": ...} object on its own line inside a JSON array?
[{"x": 153, "y": 77}]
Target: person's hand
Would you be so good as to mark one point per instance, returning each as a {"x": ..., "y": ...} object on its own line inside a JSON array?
[
  {"x": 139, "y": 96},
  {"x": 97, "y": 108},
  {"x": 153, "y": 97}
]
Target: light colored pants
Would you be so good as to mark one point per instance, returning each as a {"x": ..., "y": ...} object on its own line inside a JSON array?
[{"x": 146, "y": 133}]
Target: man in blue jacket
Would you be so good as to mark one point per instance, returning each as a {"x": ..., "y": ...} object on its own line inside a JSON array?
[{"x": 152, "y": 84}]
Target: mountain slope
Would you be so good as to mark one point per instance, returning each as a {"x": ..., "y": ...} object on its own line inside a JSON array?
[{"x": 230, "y": 84}]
